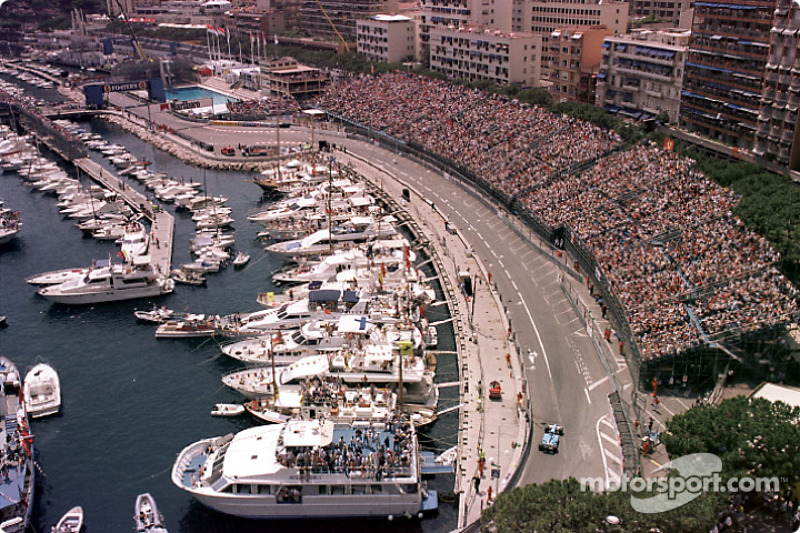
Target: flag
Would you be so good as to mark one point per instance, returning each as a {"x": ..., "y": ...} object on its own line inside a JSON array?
[
  {"x": 211, "y": 30},
  {"x": 669, "y": 144},
  {"x": 405, "y": 347},
  {"x": 220, "y": 31}
]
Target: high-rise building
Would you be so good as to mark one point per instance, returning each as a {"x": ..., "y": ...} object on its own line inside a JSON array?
[
  {"x": 725, "y": 68},
  {"x": 387, "y": 38},
  {"x": 576, "y": 56},
  {"x": 777, "y": 132},
  {"x": 660, "y": 10},
  {"x": 336, "y": 19},
  {"x": 474, "y": 53},
  {"x": 543, "y": 17},
  {"x": 641, "y": 73},
  {"x": 455, "y": 14}
]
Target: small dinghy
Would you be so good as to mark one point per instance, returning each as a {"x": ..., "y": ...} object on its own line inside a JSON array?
[
  {"x": 227, "y": 409},
  {"x": 147, "y": 516},
  {"x": 71, "y": 522},
  {"x": 42, "y": 391},
  {"x": 241, "y": 260}
]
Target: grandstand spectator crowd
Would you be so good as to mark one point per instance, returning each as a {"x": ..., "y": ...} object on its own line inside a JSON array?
[
  {"x": 262, "y": 108},
  {"x": 682, "y": 265}
]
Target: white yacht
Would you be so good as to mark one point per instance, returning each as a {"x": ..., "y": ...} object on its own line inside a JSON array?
[
  {"x": 9, "y": 225},
  {"x": 16, "y": 460},
  {"x": 355, "y": 230},
  {"x": 42, "y": 391},
  {"x": 375, "y": 364},
  {"x": 118, "y": 282},
  {"x": 135, "y": 240},
  {"x": 308, "y": 469},
  {"x": 327, "y": 304}
]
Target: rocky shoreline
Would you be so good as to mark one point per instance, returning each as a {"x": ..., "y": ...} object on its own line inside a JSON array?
[{"x": 185, "y": 154}]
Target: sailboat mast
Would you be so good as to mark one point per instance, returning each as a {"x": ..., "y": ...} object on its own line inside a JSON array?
[{"x": 330, "y": 214}]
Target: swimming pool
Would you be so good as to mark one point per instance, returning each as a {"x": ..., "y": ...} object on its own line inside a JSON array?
[{"x": 195, "y": 93}]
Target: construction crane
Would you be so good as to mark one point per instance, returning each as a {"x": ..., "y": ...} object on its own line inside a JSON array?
[
  {"x": 136, "y": 45},
  {"x": 346, "y": 47}
]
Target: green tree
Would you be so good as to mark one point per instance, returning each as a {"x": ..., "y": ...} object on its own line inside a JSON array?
[{"x": 752, "y": 437}]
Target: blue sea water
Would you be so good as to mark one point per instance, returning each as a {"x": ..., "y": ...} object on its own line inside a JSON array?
[
  {"x": 132, "y": 402},
  {"x": 184, "y": 94}
]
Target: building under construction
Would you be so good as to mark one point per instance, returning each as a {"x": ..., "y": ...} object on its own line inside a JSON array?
[{"x": 336, "y": 19}]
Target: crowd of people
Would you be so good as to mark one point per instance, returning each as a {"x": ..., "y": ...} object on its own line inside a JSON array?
[
  {"x": 264, "y": 107},
  {"x": 369, "y": 454},
  {"x": 683, "y": 266},
  {"x": 511, "y": 145}
]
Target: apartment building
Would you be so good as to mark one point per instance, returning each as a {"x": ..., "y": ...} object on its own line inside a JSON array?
[
  {"x": 477, "y": 53},
  {"x": 543, "y": 17},
  {"x": 641, "y": 74},
  {"x": 387, "y": 38},
  {"x": 777, "y": 133},
  {"x": 660, "y": 10},
  {"x": 727, "y": 58},
  {"x": 575, "y": 60}
]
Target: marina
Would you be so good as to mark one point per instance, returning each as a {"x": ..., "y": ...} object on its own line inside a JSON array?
[{"x": 97, "y": 341}]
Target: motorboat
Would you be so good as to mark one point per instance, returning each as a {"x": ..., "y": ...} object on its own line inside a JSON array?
[
  {"x": 55, "y": 277},
  {"x": 190, "y": 326},
  {"x": 16, "y": 460},
  {"x": 202, "y": 266},
  {"x": 431, "y": 337},
  {"x": 147, "y": 516},
  {"x": 327, "y": 304},
  {"x": 10, "y": 225},
  {"x": 333, "y": 401},
  {"x": 357, "y": 229},
  {"x": 115, "y": 283},
  {"x": 227, "y": 409},
  {"x": 42, "y": 391},
  {"x": 301, "y": 469},
  {"x": 374, "y": 364},
  {"x": 241, "y": 260},
  {"x": 135, "y": 241},
  {"x": 156, "y": 315},
  {"x": 188, "y": 277},
  {"x": 71, "y": 522}
]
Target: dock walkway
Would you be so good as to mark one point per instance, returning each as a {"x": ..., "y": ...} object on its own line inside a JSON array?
[
  {"x": 162, "y": 224},
  {"x": 493, "y": 429}
]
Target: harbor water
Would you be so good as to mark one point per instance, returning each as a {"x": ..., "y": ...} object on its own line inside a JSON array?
[{"x": 132, "y": 402}]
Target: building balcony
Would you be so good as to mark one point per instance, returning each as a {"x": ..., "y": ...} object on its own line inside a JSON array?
[
  {"x": 654, "y": 94},
  {"x": 631, "y": 54},
  {"x": 643, "y": 73}
]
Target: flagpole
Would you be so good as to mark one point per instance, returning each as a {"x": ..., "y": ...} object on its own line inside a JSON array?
[
  {"x": 228, "y": 36},
  {"x": 208, "y": 43}
]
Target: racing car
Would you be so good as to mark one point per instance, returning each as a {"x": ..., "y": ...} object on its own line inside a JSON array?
[{"x": 551, "y": 438}]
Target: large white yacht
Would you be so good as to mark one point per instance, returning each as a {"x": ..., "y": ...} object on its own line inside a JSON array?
[
  {"x": 355, "y": 230},
  {"x": 16, "y": 459},
  {"x": 111, "y": 284},
  {"x": 308, "y": 469}
]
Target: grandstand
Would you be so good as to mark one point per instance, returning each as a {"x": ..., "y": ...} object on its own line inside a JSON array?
[{"x": 688, "y": 285}]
